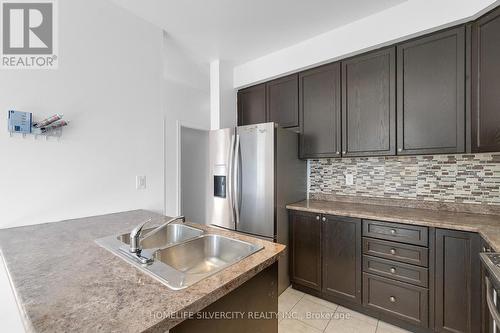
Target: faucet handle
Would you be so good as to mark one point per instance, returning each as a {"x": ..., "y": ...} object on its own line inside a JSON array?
[
  {"x": 138, "y": 230},
  {"x": 135, "y": 236}
]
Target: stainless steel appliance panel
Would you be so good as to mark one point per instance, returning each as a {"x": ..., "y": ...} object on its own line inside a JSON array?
[
  {"x": 254, "y": 179},
  {"x": 219, "y": 200},
  {"x": 291, "y": 186}
]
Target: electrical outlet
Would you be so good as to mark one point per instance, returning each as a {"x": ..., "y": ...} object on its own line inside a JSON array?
[
  {"x": 140, "y": 182},
  {"x": 349, "y": 179}
]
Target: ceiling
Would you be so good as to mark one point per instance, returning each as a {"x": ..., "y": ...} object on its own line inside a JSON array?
[{"x": 242, "y": 30}]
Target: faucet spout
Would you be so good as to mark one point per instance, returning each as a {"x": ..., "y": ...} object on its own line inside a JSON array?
[{"x": 136, "y": 234}]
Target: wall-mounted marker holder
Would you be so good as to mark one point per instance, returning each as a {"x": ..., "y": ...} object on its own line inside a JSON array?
[{"x": 22, "y": 123}]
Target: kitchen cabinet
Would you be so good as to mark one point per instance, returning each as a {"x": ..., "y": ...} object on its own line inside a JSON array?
[
  {"x": 369, "y": 104},
  {"x": 457, "y": 301},
  {"x": 485, "y": 80},
  {"x": 420, "y": 278},
  {"x": 400, "y": 300},
  {"x": 341, "y": 252},
  {"x": 305, "y": 247},
  {"x": 435, "y": 94},
  {"x": 431, "y": 94},
  {"x": 252, "y": 105},
  {"x": 320, "y": 112},
  {"x": 396, "y": 269},
  {"x": 283, "y": 101}
]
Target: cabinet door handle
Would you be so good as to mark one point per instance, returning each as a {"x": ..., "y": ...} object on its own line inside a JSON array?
[
  {"x": 338, "y": 153},
  {"x": 317, "y": 217},
  {"x": 393, "y": 270},
  {"x": 400, "y": 149},
  {"x": 323, "y": 219},
  {"x": 393, "y": 251},
  {"x": 392, "y": 299},
  {"x": 393, "y": 231}
]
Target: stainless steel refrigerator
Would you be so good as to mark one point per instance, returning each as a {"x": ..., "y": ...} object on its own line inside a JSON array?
[{"x": 253, "y": 172}]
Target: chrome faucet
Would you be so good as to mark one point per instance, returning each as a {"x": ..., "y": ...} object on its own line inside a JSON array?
[{"x": 136, "y": 237}]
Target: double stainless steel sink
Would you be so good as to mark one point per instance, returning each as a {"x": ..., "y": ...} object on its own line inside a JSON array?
[{"x": 182, "y": 255}]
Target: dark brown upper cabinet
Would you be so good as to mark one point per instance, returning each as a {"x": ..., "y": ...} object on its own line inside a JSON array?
[
  {"x": 369, "y": 104},
  {"x": 341, "y": 252},
  {"x": 431, "y": 94},
  {"x": 252, "y": 105},
  {"x": 485, "y": 80},
  {"x": 305, "y": 249},
  {"x": 319, "y": 109},
  {"x": 283, "y": 101},
  {"x": 457, "y": 300}
]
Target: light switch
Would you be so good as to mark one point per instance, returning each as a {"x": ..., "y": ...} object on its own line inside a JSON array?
[
  {"x": 140, "y": 182},
  {"x": 349, "y": 179}
]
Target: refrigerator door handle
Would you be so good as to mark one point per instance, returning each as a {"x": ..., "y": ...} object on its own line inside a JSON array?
[
  {"x": 235, "y": 183},
  {"x": 230, "y": 184}
]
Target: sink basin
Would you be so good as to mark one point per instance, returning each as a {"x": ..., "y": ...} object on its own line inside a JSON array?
[
  {"x": 182, "y": 255},
  {"x": 205, "y": 255},
  {"x": 164, "y": 237}
]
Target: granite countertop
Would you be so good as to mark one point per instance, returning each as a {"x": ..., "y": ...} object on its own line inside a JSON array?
[
  {"x": 65, "y": 282},
  {"x": 488, "y": 226}
]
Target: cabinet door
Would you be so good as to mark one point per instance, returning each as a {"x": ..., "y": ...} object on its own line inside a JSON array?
[
  {"x": 341, "y": 250},
  {"x": 431, "y": 94},
  {"x": 283, "y": 101},
  {"x": 369, "y": 104},
  {"x": 485, "y": 80},
  {"x": 252, "y": 105},
  {"x": 319, "y": 106},
  {"x": 305, "y": 241},
  {"x": 457, "y": 307}
]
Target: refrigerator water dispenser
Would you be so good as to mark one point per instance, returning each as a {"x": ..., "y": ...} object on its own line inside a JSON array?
[{"x": 220, "y": 186}]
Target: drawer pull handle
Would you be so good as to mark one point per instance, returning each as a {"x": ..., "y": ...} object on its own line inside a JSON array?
[
  {"x": 393, "y": 270},
  {"x": 393, "y": 251},
  {"x": 317, "y": 218},
  {"x": 393, "y": 231},
  {"x": 323, "y": 219},
  {"x": 392, "y": 299}
]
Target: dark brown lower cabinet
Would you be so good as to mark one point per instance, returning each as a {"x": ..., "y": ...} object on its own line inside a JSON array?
[
  {"x": 457, "y": 277},
  {"x": 431, "y": 287},
  {"x": 401, "y": 300},
  {"x": 305, "y": 249},
  {"x": 341, "y": 252}
]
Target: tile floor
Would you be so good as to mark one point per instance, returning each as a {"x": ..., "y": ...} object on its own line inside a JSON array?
[{"x": 302, "y": 313}]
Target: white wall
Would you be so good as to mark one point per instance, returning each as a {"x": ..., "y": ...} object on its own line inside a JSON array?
[
  {"x": 222, "y": 95},
  {"x": 108, "y": 86},
  {"x": 411, "y": 18},
  {"x": 186, "y": 100},
  {"x": 228, "y": 107}
]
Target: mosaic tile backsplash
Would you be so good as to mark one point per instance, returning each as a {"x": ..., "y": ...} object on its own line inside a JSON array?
[{"x": 464, "y": 178}]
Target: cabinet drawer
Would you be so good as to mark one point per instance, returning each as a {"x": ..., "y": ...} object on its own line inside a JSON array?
[
  {"x": 395, "y": 270},
  {"x": 405, "y": 233},
  {"x": 410, "y": 254},
  {"x": 401, "y": 300}
]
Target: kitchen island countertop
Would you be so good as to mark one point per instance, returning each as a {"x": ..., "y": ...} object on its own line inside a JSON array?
[{"x": 65, "y": 282}]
